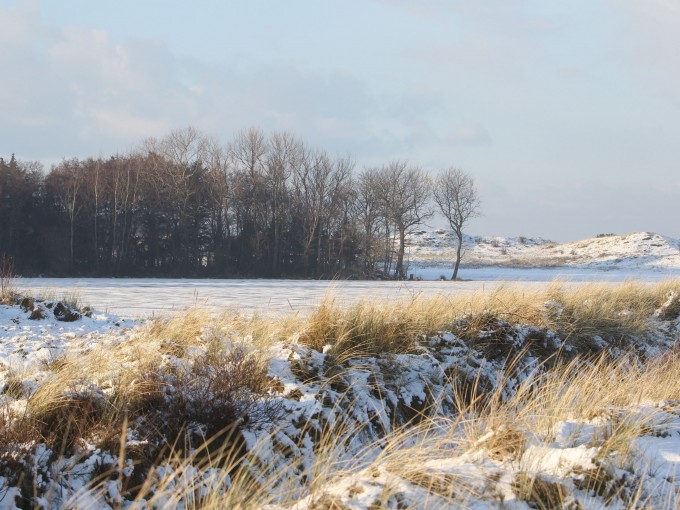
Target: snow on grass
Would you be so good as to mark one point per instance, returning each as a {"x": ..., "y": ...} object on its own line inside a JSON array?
[
  {"x": 565, "y": 396},
  {"x": 28, "y": 345}
]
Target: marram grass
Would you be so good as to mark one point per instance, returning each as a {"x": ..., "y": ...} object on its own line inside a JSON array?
[{"x": 96, "y": 396}]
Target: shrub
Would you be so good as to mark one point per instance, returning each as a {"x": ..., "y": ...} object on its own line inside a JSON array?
[
  {"x": 227, "y": 386},
  {"x": 219, "y": 392},
  {"x": 8, "y": 291}
]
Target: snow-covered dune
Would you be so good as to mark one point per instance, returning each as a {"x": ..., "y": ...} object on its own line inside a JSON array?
[{"x": 637, "y": 250}]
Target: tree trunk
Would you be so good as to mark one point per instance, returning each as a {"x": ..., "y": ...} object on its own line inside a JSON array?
[
  {"x": 458, "y": 253},
  {"x": 96, "y": 212},
  {"x": 319, "y": 270},
  {"x": 72, "y": 215},
  {"x": 400, "y": 255},
  {"x": 277, "y": 236}
]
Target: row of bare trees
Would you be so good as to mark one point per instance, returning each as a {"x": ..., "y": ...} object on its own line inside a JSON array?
[{"x": 186, "y": 205}]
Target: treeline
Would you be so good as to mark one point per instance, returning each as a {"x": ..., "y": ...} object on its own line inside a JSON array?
[{"x": 185, "y": 205}]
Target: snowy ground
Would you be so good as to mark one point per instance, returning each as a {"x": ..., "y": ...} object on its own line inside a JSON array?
[
  {"x": 29, "y": 345},
  {"x": 143, "y": 297},
  {"x": 427, "y": 472}
]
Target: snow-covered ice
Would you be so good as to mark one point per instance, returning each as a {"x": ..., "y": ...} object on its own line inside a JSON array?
[{"x": 139, "y": 297}]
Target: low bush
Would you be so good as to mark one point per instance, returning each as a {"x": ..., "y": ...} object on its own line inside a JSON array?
[
  {"x": 8, "y": 290},
  {"x": 226, "y": 386}
]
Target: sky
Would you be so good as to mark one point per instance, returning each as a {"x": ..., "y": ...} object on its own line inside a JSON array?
[{"x": 566, "y": 114}]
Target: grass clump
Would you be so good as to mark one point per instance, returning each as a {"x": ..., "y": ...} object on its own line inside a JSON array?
[
  {"x": 364, "y": 328},
  {"x": 596, "y": 310},
  {"x": 181, "y": 330},
  {"x": 600, "y": 481},
  {"x": 68, "y": 406},
  {"x": 539, "y": 492},
  {"x": 70, "y": 417}
]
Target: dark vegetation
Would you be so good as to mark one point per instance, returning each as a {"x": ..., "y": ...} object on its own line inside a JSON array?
[{"x": 187, "y": 206}]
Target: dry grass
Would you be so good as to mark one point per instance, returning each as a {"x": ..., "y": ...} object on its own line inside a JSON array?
[
  {"x": 374, "y": 328},
  {"x": 614, "y": 313},
  {"x": 69, "y": 405},
  {"x": 197, "y": 327},
  {"x": 539, "y": 492},
  {"x": 609, "y": 311},
  {"x": 576, "y": 390},
  {"x": 368, "y": 329},
  {"x": 169, "y": 374},
  {"x": 195, "y": 367},
  {"x": 205, "y": 477},
  {"x": 181, "y": 330},
  {"x": 610, "y": 391}
]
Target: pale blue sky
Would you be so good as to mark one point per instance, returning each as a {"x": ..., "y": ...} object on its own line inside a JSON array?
[{"x": 566, "y": 113}]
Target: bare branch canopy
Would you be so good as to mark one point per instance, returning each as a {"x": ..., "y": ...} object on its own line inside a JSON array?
[{"x": 456, "y": 195}]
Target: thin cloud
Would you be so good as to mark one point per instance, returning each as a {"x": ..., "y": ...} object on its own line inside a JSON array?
[{"x": 469, "y": 134}]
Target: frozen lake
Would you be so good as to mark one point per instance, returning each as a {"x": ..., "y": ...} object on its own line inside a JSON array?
[{"x": 143, "y": 297}]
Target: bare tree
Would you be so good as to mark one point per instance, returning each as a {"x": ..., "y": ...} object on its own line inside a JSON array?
[
  {"x": 66, "y": 182},
  {"x": 219, "y": 195},
  {"x": 312, "y": 183},
  {"x": 284, "y": 156},
  {"x": 248, "y": 152},
  {"x": 340, "y": 215},
  {"x": 368, "y": 216},
  {"x": 178, "y": 166},
  {"x": 456, "y": 195},
  {"x": 123, "y": 191},
  {"x": 405, "y": 197}
]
